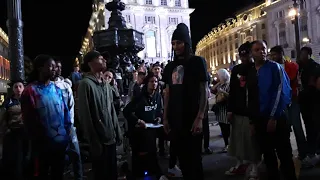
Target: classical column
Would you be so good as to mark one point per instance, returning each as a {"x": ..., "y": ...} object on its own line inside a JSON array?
[{"x": 16, "y": 53}]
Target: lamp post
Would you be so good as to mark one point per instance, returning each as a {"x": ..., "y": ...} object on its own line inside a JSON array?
[
  {"x": 297, "y": 28},
  {"x": 16, "y": 53}
]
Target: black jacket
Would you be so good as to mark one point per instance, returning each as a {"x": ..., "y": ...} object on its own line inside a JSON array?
[
  {"x": 143, "y": 107},
  {"x": 307, "y": 73},
  {"x": 146, "y": 108},
  {"x": 237, "y": 101}
]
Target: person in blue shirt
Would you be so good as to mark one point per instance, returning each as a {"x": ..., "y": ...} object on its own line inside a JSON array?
[
  {"x": 269, "y": 96},
  {"x": 47, "y": 120}
]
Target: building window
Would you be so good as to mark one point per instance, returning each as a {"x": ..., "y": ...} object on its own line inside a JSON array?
[
  {"x": 173, "y": 21},
  {"x": 280, "y": 14},
  {"x": 282, "y": 35},
  {"x": 128, "y": 19},
  {"x": 236, "y": 35},
  {"x": 263, "y": 26},
  {"x": 236, "y": 45},
  {"x": 178, "y": 3},
  {"x": 151, "y": 43},
  {"x": 163, "y": 2},
  {"x": 304, "y": 27},
  {"x": 150, "y": 19},
  {"x": 264, "y": 37},
  {"x": 149, "y": 2}
]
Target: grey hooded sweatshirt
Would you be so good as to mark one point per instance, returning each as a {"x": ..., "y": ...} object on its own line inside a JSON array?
[{"x": 97, "y": 115}]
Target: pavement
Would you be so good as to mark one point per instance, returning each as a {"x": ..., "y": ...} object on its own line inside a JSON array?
[{"x": 217, "y": 163}]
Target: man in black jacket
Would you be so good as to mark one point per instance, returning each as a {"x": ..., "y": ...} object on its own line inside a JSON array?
[{"x": 308, "y": 69}]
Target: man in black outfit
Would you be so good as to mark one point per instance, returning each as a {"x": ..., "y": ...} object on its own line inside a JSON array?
[
  {"x": 185, "y": 102},
  {"x": 308, "y": 70}
]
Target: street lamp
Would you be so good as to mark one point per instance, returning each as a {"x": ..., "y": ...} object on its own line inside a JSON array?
[
  {"x": 294, "y": 14},
  {"x": 16, "y": 53}
]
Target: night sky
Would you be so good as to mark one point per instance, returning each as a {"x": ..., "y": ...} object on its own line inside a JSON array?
[{"x": 56, "y": 27}]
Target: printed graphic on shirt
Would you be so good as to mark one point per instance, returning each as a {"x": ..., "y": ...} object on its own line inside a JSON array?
[
  {"x": 177, "y": 75},
  {"x": 150, "y": 108},
  {"x": 242, "y": 80}
]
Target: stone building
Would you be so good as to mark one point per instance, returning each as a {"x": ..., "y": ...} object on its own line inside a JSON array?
[
  {"x": 281, "y": 28},
  {"x": 4, "y": 64},
  {"x": 270, "y": 21},
  {"x": 220, "y": 46},
  {"x": 157, "y": 19}
]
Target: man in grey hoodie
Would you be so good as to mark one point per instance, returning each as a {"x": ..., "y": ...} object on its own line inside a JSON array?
[{"x": 98, "y": 118}]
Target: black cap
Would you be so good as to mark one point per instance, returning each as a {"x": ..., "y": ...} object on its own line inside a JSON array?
[
  {"x": 90, "y": 56},
  {"x": 244, "y": 49},
  {"x": 182, "y": 34}
]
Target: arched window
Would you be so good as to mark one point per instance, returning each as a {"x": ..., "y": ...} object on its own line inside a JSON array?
[{"x": 151, "y": 43}]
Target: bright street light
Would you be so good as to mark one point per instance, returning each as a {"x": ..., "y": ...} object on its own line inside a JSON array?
[
  {"x": 292, "y": 13},
  {"x": 305, "y": 40}
]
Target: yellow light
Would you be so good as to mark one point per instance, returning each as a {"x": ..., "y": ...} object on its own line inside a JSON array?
[
  {"x": 293, "y": 12},
  {"x": 305, "y": 40}
]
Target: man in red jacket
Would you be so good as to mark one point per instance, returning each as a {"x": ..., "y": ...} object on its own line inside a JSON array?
[{"x": 292, "y": 69}]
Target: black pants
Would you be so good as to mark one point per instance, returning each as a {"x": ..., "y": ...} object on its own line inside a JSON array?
[
  {"x": 161, "y": 138},
  {"x": 275, "y": 145},
  {"x": 46, "y": 158},
  {"x": 173, "y": 155},
  {"x": 145, "y": 165},
  {"x": 309, "y": 116},
  {"x": 189, "y": 155},
  {"x": 206, "y": 132},
  {"x": 225, "y": 130},
  {"x": 105, "y": 167},
  {"x": 15, "y": 154}
]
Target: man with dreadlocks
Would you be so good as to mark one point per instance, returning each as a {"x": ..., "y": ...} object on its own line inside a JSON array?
[{"x": 185, "y": 100}]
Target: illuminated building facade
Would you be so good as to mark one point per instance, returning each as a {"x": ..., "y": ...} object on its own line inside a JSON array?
[
  {"x": 157, "y": 19},
  {"x": 270, "y": 21},
  {"x": 281, "y": 30},
  {"x": 220, "y": 46},
  {"x": 4, "y": 64}
]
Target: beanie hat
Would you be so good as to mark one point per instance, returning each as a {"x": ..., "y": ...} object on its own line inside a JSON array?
[
  {"x": 182, "y": 34},
  {"x": 244, "y": 49}
]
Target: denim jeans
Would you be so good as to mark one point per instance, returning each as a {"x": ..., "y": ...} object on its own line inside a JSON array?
[
  {"x": 295, "y": 120},
  {"x": 75, "y": 156}
]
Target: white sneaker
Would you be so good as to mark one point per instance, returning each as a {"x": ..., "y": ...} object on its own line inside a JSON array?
[{"x": 175, "y": 172}]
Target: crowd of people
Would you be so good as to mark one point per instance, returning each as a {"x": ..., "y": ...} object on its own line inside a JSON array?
[{"x": 255, "y": 106}]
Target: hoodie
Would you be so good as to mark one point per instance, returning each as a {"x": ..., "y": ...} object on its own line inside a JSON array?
[
  {"x": 146, "y": 108},
  {"x": 97, "y": 114},
  {"x": 269, "y": 91}
]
